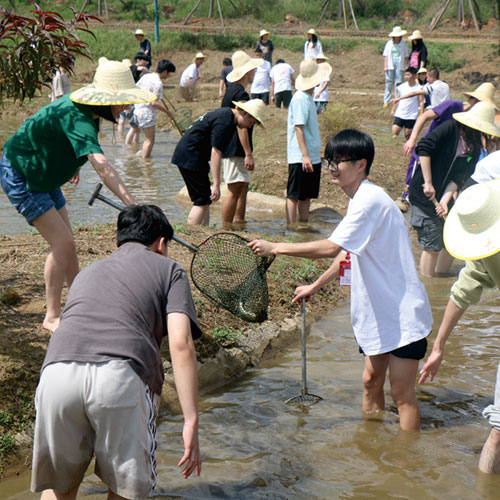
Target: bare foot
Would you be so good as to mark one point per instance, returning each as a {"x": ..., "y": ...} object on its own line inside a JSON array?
[{"x": 51, "y": 324}]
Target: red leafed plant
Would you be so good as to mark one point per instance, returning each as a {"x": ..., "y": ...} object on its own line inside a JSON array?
[{"x": 31, "y": 48}]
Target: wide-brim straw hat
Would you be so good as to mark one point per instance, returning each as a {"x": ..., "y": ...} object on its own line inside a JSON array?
[
  {"x": 397, "y": 31},
  {"x": 472, "y": 228},
  {"x": 139, "y": 32},
  {"x": 242, "y": 64},
  {"x": 480, "y": 117},
  {"x": 254, "y": 107},
  {"x": 127, "y": 62},
  {"x": 421, "y": 70},
  {"x": 263, "y": 32},
  {"x": 416, "y": 35},
  {"x": 321, "y": 56},
  {"x": 199, "y": 55},
  {"x": 485, "y": 93},
  {"x": 312, "y": 74},
  {"x": 113, "y": 85},
  {"x": 312, "y": 31}
]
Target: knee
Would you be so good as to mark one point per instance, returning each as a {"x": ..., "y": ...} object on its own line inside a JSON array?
[
  {"x": 65, "y": 246},
  {"x": 400, "y": 393},
  {"x": 372, "y": 382},
  {"x": 494, "y": 437}
]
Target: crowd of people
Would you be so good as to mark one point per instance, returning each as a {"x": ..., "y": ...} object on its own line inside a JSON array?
[{"x": 102, "y": 374}]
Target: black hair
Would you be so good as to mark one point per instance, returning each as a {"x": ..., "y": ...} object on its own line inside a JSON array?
[
  {"x": 165, "y": 65},
  {"x": 417, "y": 44},
  {"x": 351, "y": 144},
  {"x": 103, "y": 112},
  {"x": 472, "y": 138},
  {"x": 314, "y": 39},
  {"x": 279, "y": 61},
  {"x": 411, "y": 70},
  {"x": 141, "y": 55},
  {"x": 434, "y": 72},
  {"x": 227, "y": 61},
  {"x": 143, "y": 224},
  {"x": 258, "y": 51}
]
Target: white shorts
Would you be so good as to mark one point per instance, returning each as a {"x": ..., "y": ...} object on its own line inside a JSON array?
[
  {"x": 95, "y": 408},
  {"x": 234, "y": 170}
]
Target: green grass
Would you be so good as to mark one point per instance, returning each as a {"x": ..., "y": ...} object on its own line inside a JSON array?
[{"x": 226, "y": 336}]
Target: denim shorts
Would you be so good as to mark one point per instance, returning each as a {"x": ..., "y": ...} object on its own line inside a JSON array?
[
  {"x": 30, "y": 204},
  {"x": 429, "y": 229}
]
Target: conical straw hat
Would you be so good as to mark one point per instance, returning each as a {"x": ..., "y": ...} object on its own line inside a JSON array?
[
  {"x": 397, "y": 31},
  {"x": 242, "y": 64},
  {"x": 255, "y": 108},
  {"x": 485, "y": 92},
  {"x": 480, "y": 117},
  {"x": 312, "y": 74}
]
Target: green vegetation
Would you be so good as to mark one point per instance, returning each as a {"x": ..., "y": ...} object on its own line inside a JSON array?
[
  {"x": 337, "y": 117},
  {"x": 441, "y": 56},
  {"x": 226, "y": 336}
]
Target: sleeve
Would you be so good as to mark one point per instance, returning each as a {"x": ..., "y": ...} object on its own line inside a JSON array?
[
  {"x": 387, "y": 49},
  {"x": 222, "y": 131},
  {"x": 429, "y": 144},
  {"x": 271, "y": 73},
  {"x": 57, "y": 89},
  {"x": 82, "y": 133},
  {"x": 292, "y": 71},
  {"x": 468, "y": 288},
  {"x": 405, "y": 53},
  {"x": 299, "y": 111},
  {"x": 180, "y": 300},
  {"x": 355, "y": 230},
  {"x": 423, "y": 54},
  {"x": 305, "y": 50},
  {"x": 319, "y": 49},
  {"x": 271, "y": 46}
]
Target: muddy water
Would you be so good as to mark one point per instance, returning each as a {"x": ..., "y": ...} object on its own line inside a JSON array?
[{"x": 256, "y": 447}]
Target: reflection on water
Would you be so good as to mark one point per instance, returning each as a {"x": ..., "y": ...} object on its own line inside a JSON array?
[{"x": 257, "y": 447}]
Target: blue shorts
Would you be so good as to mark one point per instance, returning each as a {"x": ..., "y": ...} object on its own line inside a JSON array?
[{"x": 30, "y": 204}]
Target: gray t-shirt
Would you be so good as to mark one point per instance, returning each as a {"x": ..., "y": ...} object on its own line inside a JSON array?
[{"x": 117, "y": 309}]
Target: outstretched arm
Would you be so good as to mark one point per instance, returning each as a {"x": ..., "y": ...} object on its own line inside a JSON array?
[
  {"x": 215, "y": 162},
  {"x": 320, "y": 249},
  {"x": 451, "y": 316},
  {"x": 186, "y": 382},
  {"x": 421, "y": 121}
]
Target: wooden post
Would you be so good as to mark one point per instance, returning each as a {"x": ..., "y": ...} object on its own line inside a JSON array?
[
  {"x": 325, "y": 5},
  {"x": 474, "y": 18},
  {"x": 220, "y": 13},
  {"x": 353, "y": 16},
  {"x": 437, "y": 17},
  {"x": 343, "y": 13},
  {"x": 211, "y": 9},
  {"x": 234, "y": 6},
  {"x": 189, "y": 15}
]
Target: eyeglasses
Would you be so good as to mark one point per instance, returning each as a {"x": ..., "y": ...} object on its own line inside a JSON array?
[{"x": 333, "y": 166}]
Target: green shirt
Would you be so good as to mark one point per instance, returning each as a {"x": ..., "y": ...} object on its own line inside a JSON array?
[
  {"x": 50, "y": 146},
  {"x": 476, "y": 275}
]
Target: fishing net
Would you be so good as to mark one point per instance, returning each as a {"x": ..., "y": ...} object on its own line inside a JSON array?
[
  {"x": 226, "y": 271},
  {"x": 183, "y": 117}
]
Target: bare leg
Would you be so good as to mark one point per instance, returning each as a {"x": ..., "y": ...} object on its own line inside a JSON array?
[
  {"x": 230, "y": 202},
  {"x": 199, "y": 215},
  {"x": 56, "y": 495},
  {"x": 304, "y": 206},
  {"x": 121, "y": 126},
  {"x": 489, "y": 461},
  {"x": 428, "y": 261},
  {"x": 62, "y": 262},
  {"x": 133, "y": 136},
  {"x": 241, "y": 204},
  {"x": 149, "y": 141},
  {"x": 408, "y": 132},
  {"x": 373, "y": 382},
  {"x": 402, "y": 375},
  {"x": 291, "y": 210},
  {"x": 396, "y": 129},
  {"x": 444, "y": 261}
]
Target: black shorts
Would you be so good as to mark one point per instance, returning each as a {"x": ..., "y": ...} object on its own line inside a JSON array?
[
  {"x": 407, "y": 124},
  {"x": 284, "y": 97},
  {"x": 263, "y": 97},
  {"x": 303, "y": 185},
  {"x": 198, "y": 186},
  {"x": 415, "y": 350}
]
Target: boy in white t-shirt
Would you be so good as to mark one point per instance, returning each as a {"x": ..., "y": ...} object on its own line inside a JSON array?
[
  {"x": 282, "y": 78},
  {"x": 405, "y": 111},
  {"x": 390, "y": 313},
  {"x": 261, "y": 80}
]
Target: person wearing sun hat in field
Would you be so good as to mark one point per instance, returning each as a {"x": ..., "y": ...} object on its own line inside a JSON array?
[
  {"x": 321, "y": 94},
  {"x": 395, "y": 61},
  {"x": 144, "y": 45},
  {"x": 190, "y": 75},
  {"x": 201, "y": 148},
  {"x": 238, "y": 159},
  {"x": 304, "y": 142},
  {"x": 312, "y": 47},
  {"x": 472, "y": 233},
  {"x": 48, "y": 150},
  {"x": 266, "y": 46}
]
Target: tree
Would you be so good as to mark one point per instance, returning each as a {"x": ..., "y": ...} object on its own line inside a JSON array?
[{"x": 31, "y": 48}]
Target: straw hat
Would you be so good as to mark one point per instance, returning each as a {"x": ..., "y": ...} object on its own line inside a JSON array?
[
  {"x": 113, "y": 84},
  {"x": 421, "y": 70},
  {"x": 312, "y": 74},
  {"x": 480, "y": 117},
  {"x": 263, "y": 32},
  {"x": 255, "y": 108},
  {"x": 127, "y": 62},
  {"x": 321, "y": 56},
  {"x": 312, "y": 31},
  {"x": 139, "y": 32},
  {"x": 472, "y": 228},
  {"x": 397, "y": 31},
  {"x": 199, "y": 55},
  {"x": 242, "y": 64},
  {"x": 416, "y": 35},
  {"x": 485, "y": 92}
]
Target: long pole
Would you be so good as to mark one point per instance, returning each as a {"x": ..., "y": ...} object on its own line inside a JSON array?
[{"x": 157, "y": 27}]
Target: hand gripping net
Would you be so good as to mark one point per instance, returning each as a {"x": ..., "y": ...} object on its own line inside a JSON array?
[{"x": 226, "y": 271}]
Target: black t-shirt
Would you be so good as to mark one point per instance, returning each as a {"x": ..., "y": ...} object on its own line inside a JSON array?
[
  {"x": 117, "y": 309},
  {"x": 235, "y": 92},
  {"x": 213, "y": 129},
  {"x": 136, "y": 72},
  {"x": 267, "y": 49},
  {"x": 225, "y": 71}
]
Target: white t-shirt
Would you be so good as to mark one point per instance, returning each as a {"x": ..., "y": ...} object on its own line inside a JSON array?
[
  {"x": 261, "y": 80},
  {"x": 193, "y": 72},
  {"x": 281, "y": 74},
  {"x": 324, "y": 96},
  {"x": 407, "y": 108},
  {"x": 145, "y": 113},
  {"x": 438, "y": 92},
  {"x": 60, "y": 85},
  {"x": 404, "y": 55},
  {"x": 488, "y": 168},
  {"x": 311, "y": 52},
  {"x": 389, "y": 305}
]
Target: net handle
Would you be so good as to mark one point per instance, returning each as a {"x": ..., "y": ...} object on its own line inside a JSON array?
[
  {"x": 171, "y": 116},
  {"x": 96, "y": 195}
]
